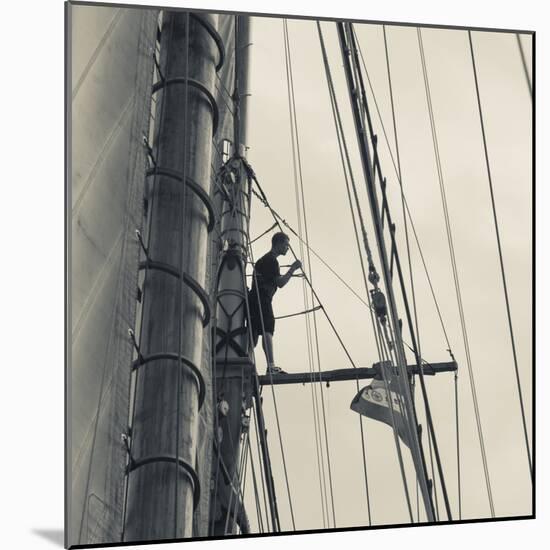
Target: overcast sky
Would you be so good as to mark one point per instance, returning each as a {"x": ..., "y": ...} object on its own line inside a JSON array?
[{"x": 507, "y": 112}]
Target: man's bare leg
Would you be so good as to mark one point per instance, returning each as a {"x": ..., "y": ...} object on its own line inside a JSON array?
[{"x": 267, "y": 344}]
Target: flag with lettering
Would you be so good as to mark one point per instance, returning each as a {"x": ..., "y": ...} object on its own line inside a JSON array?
[{"x": 374, "y": 401}]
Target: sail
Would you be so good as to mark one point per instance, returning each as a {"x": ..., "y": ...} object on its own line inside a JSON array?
[{"x": 109, "y": 84}]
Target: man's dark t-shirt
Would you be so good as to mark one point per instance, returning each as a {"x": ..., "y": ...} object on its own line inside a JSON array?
[{"x": 264, "y": 283}]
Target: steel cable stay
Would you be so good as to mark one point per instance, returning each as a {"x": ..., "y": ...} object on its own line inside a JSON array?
[
  {"x": 385, "y": 338},
  {"x": 434, "y": 487},
  {"x": 500, "y": 256},
  {"x": 346, "y": 167},
  {"x": 309, "y": 344},
  {"x": 400, "y": 180},
  {"x": 313, "y": 343},
  {"x": 395, "y": 256},
  {"x": 243, "y": 478},
  {"x": 262, "y": 477},
  {"x": 417, "y": 351},
  {"x": 458, "y": 467},
  {"x": 390, "y": 352},
  {"x": 236, "y": 492},
  {"x": 394, "y": 428},
  {"x": 241, "y": 482},
  {"x": 454, "y": 270},
  {"x": 360, "y": 112},
  {"x": 413, "y": 388},
  {"x": 524, "y": 65},
  {"x": 259, "y": 516},
  {"x": 397, "y": 173}
]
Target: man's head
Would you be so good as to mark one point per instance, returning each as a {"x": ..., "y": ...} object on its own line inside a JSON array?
[{"x": 280, "y": 243}]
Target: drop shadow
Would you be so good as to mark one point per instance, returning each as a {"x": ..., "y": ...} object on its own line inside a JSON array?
[{"x": 57, "y": 536}]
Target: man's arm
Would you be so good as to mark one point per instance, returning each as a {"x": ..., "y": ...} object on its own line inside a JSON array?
[{"x": 282, "y": 280}]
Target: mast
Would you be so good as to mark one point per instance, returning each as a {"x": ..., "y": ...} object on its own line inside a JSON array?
[
  {"x": 163, "y": 486},
  {"x": 234, "y": 370}
]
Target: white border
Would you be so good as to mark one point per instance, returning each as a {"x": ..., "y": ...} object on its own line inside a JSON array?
[{"x": 32, "y": 281}]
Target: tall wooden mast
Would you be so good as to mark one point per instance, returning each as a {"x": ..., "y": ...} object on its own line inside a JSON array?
[
  {"x": 163, "y": 485},
  {"x": 234, "y": 369}
]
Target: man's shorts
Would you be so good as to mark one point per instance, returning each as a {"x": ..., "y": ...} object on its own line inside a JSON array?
[{"x": 257, "y": 313}]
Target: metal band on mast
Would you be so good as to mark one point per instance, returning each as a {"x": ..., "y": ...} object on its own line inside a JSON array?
[{"x": 162, "y": 481}]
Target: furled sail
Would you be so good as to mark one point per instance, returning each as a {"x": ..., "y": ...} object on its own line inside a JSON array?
[{"x": 109, "y": 79}]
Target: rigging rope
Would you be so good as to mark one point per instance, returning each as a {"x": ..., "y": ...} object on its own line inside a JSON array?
[
  {"x": 434, "y": 484},
  {"x": 387, "y": 357},
  {"x": 359, "y": 105},
  {"x": 397, "y": 172},
  {"x": 242, "y": 480},
  {"x": 416, "y": 340},
  {"x": 454, "y": 269},
  {"x": 400, "y": 180},
  {"x": 309, "y": 339},
  {"x": 256, "y": 492},
  {"x": 500, "y": 256},
  {"x": 459, "y": 484},
  {"x": 235, "y": 482},
  {"x": 367, "y": 247},
  {"x": 524, "y": 63},
  {"x": 262, "y": 476},
  {"x": 264, "y": 233},
  {"x": 299, "y": 191},
  {"x": 342, "y": 145}
]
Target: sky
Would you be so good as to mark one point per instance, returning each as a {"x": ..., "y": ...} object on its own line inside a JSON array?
[{"x": 506, "y": 106}]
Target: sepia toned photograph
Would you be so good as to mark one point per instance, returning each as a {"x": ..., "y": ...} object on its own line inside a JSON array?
[{"x": 300, "y": 283}]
